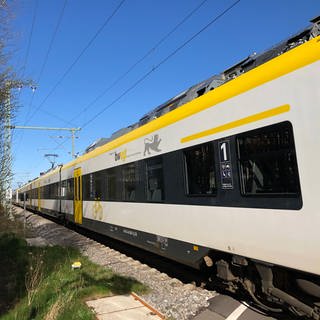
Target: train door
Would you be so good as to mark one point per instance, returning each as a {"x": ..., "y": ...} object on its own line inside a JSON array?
[{"x": 77, "y": 202}]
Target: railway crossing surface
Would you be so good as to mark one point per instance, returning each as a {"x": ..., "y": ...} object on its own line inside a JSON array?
[{"x": 226, "y": 308}]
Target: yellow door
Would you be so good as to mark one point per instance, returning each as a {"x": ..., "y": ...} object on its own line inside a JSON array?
[{"x": 77, "y": 203}]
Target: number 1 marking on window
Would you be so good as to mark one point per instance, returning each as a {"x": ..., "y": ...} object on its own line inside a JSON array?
[{"x": 223, "y": 147}]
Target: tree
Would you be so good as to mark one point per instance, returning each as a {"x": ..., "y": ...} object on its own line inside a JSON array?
[{"x": 8, "y": 81}]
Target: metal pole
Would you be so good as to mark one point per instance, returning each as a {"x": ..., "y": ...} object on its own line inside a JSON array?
[
  {"x": 72, "y": 137},
  {"x": 44, "y": 128},
  {"x": 7, "y": 176},
  {"x": 72, "y": 130}
]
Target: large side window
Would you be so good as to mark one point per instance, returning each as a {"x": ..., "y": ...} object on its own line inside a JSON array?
[
  {"x": 267, "y": 161},
  {"x": 45, "y": 193},
  {"x": 200, "y": 170},
  {"x": 70, "y": 193},
  {"x": 63, "y": 191},
  {"x": 154, "y": 178},
  {"x": 129, "y": 181},
  {"x": 54, "y": 188},
  {"x": 98, "y": 185},
  {"x": 111, "y": 184}
]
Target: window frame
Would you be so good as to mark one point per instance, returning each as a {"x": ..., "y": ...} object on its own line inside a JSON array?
[
  {"x": 129, "y": 171},
  {"x": 154, "y": 163},
  {"x": 186, "y": 174},
  {"x": 278, "y": 127}
]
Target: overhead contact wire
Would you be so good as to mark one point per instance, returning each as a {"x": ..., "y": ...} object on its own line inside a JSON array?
[
  {"x": 161, "y": 63},
  {"x": 47, "y": 54},
  {"x": 26, "y": 58},
  {"x": 30, "y": 37},
  {"x": 52, "y": 40},
  {"x": 69, "y": 69},
  {"x": 42, "y": 69},
  {"x": 140, "y": 60}
]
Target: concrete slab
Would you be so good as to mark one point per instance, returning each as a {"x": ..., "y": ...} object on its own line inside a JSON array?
[
  {"x": 113, "y": 304},
  {"x": 133, "y": 314},
  {"x": 121, "y": 308},
  {"x": 37, "y": 242}
]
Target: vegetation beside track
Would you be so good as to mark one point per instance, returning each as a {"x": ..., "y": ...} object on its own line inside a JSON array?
[{"x": 39, "y": 282}]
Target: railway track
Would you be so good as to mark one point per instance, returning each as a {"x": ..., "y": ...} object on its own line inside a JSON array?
[{"x": 177, "y": 291}]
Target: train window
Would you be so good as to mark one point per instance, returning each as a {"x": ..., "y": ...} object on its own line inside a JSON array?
[
  {"x": 111, "y": 184},
  {"x": 200, "y": 170},
  {"x": 154, "y": 177},
  {"x": 54, "y": 190},
  {"x": 70, "y": 189},
  {"x": 63, "y": 191},
  {"x": 47, "y": 190},
  {"x": 97, "y": 190},
  {"x": 129, "y": 181},
  {"x": 267, "y": 161},
  {"x": 86, "y": 186},
  {"x": 50, "y": 191},
  {"x": 44, "y": 192}
]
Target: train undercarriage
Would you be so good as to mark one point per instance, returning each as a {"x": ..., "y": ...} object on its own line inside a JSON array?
[
  {"x": 271, "y": 288},
  {"x": 274, "y": 289}
]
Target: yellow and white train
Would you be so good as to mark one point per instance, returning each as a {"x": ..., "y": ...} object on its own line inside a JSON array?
[{"x": 223, "y": 176}]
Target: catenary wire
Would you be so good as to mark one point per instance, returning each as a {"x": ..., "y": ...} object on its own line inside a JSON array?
[
  {"x": 47, "y": 54},
  {"x": 42, "y": 70},
  {"x": 157, "y": 66},
  {"x": 100, "y": 29},
  {"x": 69, "y": 69},
  {"x": 52, "y": 40},
  {"x": 148, "y": 53},
  {"x": 25, "y": 62},
  {"x": 218, "y": 17},
  {"x": 26, "y": 58}
]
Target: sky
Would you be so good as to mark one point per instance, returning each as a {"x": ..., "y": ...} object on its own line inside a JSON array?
[{"x": 82, "y": 56}]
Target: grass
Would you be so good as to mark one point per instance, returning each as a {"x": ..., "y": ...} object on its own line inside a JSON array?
[
  {"x": 10, "y": 224},
  {"x": 39, "y": 283}
]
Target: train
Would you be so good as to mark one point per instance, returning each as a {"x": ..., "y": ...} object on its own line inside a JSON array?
[{"x": 222, "y": 177}]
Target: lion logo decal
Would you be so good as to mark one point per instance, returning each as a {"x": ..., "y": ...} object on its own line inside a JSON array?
[{"x": 151, "y": 144}]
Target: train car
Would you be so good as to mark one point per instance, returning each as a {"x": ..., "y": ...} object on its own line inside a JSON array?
[{"x": 221, "y": 177}]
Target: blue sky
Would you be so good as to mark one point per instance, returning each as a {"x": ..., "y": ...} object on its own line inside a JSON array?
[{"x": 138, "y": 25}]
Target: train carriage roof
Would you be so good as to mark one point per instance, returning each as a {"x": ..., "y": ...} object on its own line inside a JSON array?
[{"x": 252, "y": 61}]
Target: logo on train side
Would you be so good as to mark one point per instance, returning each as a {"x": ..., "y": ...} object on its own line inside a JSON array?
[
  {"x": 122, "y": 155},
  {"x": 152, "y": 144},
  {"x": 97, "y": 209}
]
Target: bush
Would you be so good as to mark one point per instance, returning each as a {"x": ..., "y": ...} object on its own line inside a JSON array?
[{"x": 13, "y": 267}]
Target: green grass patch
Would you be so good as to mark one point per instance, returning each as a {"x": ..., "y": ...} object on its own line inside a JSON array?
[{"x": 41, "y": 284}]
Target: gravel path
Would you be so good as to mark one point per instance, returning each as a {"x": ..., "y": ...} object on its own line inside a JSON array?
[{"x": 168, "y": 295}]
